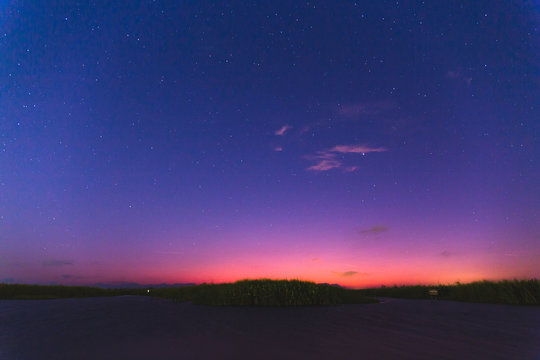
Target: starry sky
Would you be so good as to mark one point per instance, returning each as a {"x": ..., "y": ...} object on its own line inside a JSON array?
[{"x": 359, "y": 143}]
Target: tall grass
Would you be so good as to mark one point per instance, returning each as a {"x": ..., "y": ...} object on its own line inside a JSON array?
[
  {"x": 514, "y": 292},
  {"x": 264, "y": 292}
]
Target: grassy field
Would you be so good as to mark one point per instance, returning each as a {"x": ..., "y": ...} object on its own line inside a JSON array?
[
  {"x": 515, "y": 292},
  {"x": 264, "y": 292}
]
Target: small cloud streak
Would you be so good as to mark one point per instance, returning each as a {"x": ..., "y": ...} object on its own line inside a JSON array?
[
  {"x": 355, "y": 149},
  {"x": 326, "y": 160},
  {"x": 66, "y": 276},
  {"x": 57, "y": 262},
  {"x": 447, "y": 253},
  {"x": 168, "y": 252},
  {"x": 278, "y": 148},
  {"x": 349, "y": 273},
  {"x": 322, "y": 155},
  {"x": 325, "y": 165},
  {"x": 374, "y": 230},
  {"x": 282, "y": 130}
]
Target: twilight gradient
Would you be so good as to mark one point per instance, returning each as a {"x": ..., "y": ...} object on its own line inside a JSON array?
[{"x": 359, "y": 143}]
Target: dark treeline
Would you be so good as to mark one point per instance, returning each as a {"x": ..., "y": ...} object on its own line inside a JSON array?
[{"x": 515, "y": 292}]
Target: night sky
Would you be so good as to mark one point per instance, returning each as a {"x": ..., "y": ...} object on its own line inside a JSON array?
[{"x": 359, "y": 143}]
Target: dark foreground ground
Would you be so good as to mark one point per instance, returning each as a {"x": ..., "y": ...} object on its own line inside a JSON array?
[{"x": 131, "y": 327}]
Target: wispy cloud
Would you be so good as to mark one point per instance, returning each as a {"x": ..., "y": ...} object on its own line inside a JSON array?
[
  {"x": 282, "y": 130},
  {"x": 278, "y": 148},
  {"x": 168, "y": 252},
  {"x": 356, "y": 149},
  {"x": 374, "y": 230},
  {"x": 67, "y": 276},
  {"x": 57, "y": 262},
  {"x": 327, "y": 159},
  {"x": 447, "y": 253},
  {"x": 325, "y": 165},
  {"x": 322, "y": 155}
]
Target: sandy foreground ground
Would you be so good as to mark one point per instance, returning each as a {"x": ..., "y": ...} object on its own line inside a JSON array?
[{"x": 130, "y": 327}]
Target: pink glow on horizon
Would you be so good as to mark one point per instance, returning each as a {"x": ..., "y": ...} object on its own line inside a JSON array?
[
  {"x": 368, "y": 257},
  {"x": 374, "y": 271}
]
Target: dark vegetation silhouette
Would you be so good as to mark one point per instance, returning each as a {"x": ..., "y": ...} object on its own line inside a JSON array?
[
  {"x": 28, "y": 292},
  {"x": 263, "y": 292},
  {"x": 512, "y": 292},
  {"x": 267, "y": 292}
]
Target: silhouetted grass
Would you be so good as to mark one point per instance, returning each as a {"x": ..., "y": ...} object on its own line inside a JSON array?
[
  {"x": 22, "y": 292},
  {"x": 264, "y": 292},
  {"x": 515, "y": 292}
]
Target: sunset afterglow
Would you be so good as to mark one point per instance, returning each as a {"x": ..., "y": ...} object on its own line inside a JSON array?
[{"x": 189, "y": 142}]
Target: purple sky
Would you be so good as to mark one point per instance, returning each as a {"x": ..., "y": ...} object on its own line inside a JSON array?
[{"x": 360, "y": 143}]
